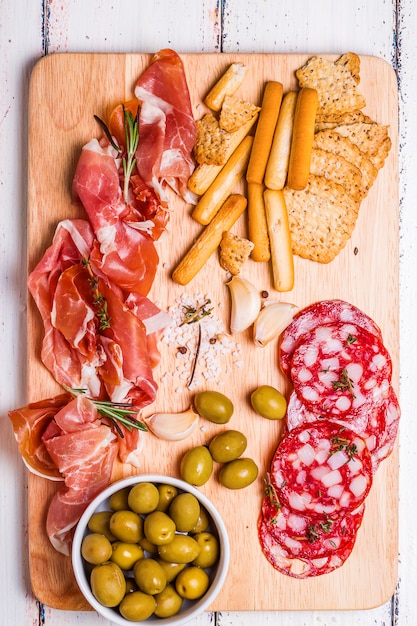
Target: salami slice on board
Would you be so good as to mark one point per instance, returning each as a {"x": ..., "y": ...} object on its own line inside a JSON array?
[
  {"x": 321, "y": 469},
  {"x": 318, "y": 313},
  {"x": 339, "y": 368}
]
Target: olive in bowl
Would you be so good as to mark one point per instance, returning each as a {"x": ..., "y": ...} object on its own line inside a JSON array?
[{"x": 134, "y": 566}]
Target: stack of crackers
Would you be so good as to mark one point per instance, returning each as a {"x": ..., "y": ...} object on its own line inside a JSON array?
[{"x": 348, "y": 151}]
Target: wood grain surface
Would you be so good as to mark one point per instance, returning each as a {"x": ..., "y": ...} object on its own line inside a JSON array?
[{"x": 66, "y": 91}]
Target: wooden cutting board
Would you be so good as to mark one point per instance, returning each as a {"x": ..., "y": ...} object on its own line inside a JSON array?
[{"x": 66, "y": 91}]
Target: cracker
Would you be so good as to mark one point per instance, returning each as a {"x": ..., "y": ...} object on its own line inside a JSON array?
[
  {"x": 338, "y": 169},
  {"x": 234, "y": 252},
  {"x": 212, "y": 142},
  {"x": 322, "y": 218},
  {"x": 372, "y": 139},
  {"x": 352, "y": 63},
  {"x": 335, "y": 84},
  {"x": 344, "y": 147},
  {"x": 234, "y": 113},
  {"x": 330, "y": 121}
]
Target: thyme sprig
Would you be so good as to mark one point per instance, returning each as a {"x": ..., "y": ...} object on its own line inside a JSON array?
[
  {"x": 271, "y": 493},
  {"x": 131, "y": 128},
  {"x": 341, "y": 443},
  {"x": 117, "y": 412},
  {"x": 195, "y": 314},
  {"x": 344, "y": 383},
  {"x": 99, "y": 301}
]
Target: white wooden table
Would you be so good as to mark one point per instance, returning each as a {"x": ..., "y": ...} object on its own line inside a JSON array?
[{"x": 32, "y": 28}]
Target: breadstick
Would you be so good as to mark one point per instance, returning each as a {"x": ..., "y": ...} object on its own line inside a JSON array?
[
  {"x": 277, "y": 166},
  {"x": 280, "y": 240},
  {"x": 302, "y": 139},
  {"x": 204, "y": 174},
  {"x": 257, "y": 226},
  {"x": 264, "y": 133},
  {"x": 221, "y": 187},
  {"x": 209, "y": 239},
  {"x": 227, "y": 85}
]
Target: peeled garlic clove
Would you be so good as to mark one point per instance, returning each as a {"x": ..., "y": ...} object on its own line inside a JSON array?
[
  {"x": 272, "y": 320},
  {"x": 246, "y": 304},
  {"x": 173, "y": 426}
]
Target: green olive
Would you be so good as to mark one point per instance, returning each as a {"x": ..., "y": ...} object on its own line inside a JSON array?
[
  {"x": 238, "y": 473},
  {"x": 126, "y": 554},
  {"x": 149, "y": 576},
  {"x": 203, "y": 521},
  {"x": 192, "y": 583},
  {"x": 184, "y": 511},
  {"x": 130, "y": 585},
  {"x": 137, "y": 606},
  {"x": 148, "y": 546},
  {"x": 228, "y": 446},
  {"x": 108, "y": 584},
  {"x": 127, "y": 526},
  {"x": 196, "y": 466},
  {"x": 96, "y": 548},
  {"x": 159, "y": 528},
  {"x": 99, "y": 523},
  {"x": 166, "y": 494},
  {"x": 118, "y": 500},
  {"x": 214, "y": 406},
  {"x": 168, "y": 602},
  {"x": 143, "y": 498},
  {"x": 209, "y": 552},
  {"x": 269, "y": 402},
  {"x": 171, "y": 569},
  {"x": 182, "y": 549}
]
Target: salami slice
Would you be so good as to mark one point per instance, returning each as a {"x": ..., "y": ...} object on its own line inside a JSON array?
[
  {"x": 311, "y": 538},
  {"x": 381, "y": 430},
  {"x": 321, "y": 469},
  {"x": 318, "y": 313},
  {"x": 340, "y": 368},
  {"x": 298, "y": 567}
]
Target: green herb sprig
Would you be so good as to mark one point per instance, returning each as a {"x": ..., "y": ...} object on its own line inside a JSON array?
[
  {"x": 131, "y": 128},
  {"x": 99, "y": 301}
]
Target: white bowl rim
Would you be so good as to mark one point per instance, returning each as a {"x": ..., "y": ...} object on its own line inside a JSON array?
[{"x": 197, "y": 607}]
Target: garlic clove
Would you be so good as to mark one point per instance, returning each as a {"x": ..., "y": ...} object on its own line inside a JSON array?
[
  {"x": 245, "y": 304},
  {"x": 173, "y": 426},
  {"x": 273, "y": 318}
]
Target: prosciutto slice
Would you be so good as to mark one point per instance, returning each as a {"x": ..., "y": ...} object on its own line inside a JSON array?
[
  {"x": 84, "y": 450},
  {"x": 167, "y": 127}
]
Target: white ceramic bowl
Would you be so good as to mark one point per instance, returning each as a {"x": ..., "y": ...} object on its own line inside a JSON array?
[{"x": 190, "y": 609}]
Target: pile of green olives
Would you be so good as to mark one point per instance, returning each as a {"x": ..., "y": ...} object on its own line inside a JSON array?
[
  {"x": 227, "y": 447},
  {"x": 151, "y": 550}
]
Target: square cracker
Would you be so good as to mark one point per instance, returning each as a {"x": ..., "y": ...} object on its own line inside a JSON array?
[
  {"x": 212, "y": 142},
  {"x": 322, "y": 218},
  {"x": 335, "y": 84},
  {"x": 234, "y": 113}
]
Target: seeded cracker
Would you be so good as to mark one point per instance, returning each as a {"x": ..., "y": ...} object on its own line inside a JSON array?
[
  {"x": 343, "y": 146},
  {"x": 335, "y": 84},
  {"x": 234, "y": 113},
  {"x": 372, "y": 139},
  {"x": 234, "y": 252},
  {"x": 212, "y": 142},
  {"x": 324, "y": 122},
  {"x": 338, "y": 169},
  {"x": 322, "y": 218}
]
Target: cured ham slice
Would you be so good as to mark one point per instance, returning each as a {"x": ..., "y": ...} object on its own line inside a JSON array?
[
  {"x": 84, "y": 450},
  {"x": 124, "y": 250},
  {"x": 167, "y": 127}
]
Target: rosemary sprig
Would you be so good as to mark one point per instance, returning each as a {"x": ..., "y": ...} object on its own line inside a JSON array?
[
  {"x": 195, "y": 314},
  {"x": 131, "y": 128},
  {"x": 117, "y": 412},
  {"x": 99, "y": 301},
  {"x": 344, "y": 383},
  {"x": 108, "y": 134}
]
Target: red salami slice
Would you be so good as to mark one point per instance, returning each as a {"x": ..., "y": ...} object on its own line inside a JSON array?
[
  {"x": 340, "y": 368},
  {"x": 298, "y": 414},
  {"x": 298, "y": 567},
  {"x": 311, "y": 538},
  {"x": 321, "y": 469},
  {"x": 382, "y": 428},
  {"x": 324, "y": 312}
]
